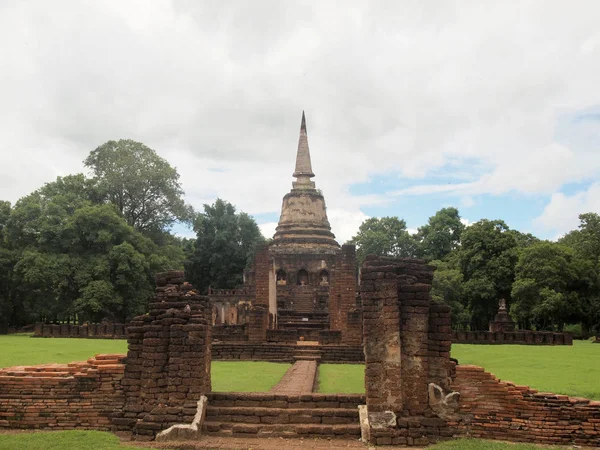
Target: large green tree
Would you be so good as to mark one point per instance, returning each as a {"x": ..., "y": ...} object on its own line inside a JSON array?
[
  {"x": 487, "y": 258},
  {"x": 225, "y": 241},
  {"x": 7, "y": 262},
  {"x": 543, "y": 294},
  {"x": 385, "y": 236},
  {"x": 448, "y": 287},
  {"x": 76, "y": 257},
  {"x": 440, "y": 235},
  {"x": 586, "y": 243},
  {"x": 144, "y": 187}
]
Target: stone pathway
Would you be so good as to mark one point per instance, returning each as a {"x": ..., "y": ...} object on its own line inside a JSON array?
[
  {"x": 299, "y": 379},
  {"x": 214, "y": 442}
]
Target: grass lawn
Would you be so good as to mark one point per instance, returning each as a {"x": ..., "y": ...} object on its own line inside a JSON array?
[
  {"x": 240, "y": 376},
  {"x": 342, "y": 378},
  {"x": 560, "y": 369},
  {"x": 19, "y": 350},
  {"x": 99, "y": 440},
  {"x": 480, "y": 444},
  {"x": 246, "y": 376},
  {"x": 63, "y": 440}
]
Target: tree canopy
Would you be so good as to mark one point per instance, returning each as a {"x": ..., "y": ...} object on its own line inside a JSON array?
[
  {"x": 144, "y": 187},
  {"x": 67, "y": 251},
  {"x": 225, "y": 242},
  {"x": 386, "y": 236}
]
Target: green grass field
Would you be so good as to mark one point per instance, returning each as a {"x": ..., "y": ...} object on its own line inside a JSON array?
[
  {"x": 63, "y": 440},
  {"x": 480, "y": 444},
  {"x": 98, "y": 440},
  {"x": 246, "y": 376},
  {"x": 341, "y": 378},
  {"x": 18, "y": 350},
  {"x": 560, "y": 369},
  {"x": 241, "y": 376}
]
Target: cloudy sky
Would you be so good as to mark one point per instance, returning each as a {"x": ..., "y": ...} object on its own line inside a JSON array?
[{"x": 492, "y": 107}]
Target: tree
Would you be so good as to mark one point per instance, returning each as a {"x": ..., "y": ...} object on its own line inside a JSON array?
[
  {"x": 76, "y": 258},
  {"x": 487, "y": 259},
  {"x": 440, "y": 235},
  {"x": 542, "y": 292},
  {"x": 386, "y": 236},
  {"x": 7, "y": 262},
  {"x": 143, "y": 186},
  {"x": 586, "y": 244},
  {"x": 448, "y": 287},
  {"x": 224, "y": 242}
]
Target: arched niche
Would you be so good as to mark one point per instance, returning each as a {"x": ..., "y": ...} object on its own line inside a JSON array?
[
  {"x": 302, "y": 277},
  {"x": 324, "y": 278},
  {"x": 281, "y": 277}
]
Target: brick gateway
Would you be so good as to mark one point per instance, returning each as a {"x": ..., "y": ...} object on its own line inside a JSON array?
[{"x": 415, "y": 393}]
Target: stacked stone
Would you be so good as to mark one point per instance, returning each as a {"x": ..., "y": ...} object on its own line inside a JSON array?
[
  {"x": 381, "y": 330},
  {"x": 502, "y": 410},
  {"x": 342, "y": 308},
  {"x": 168, "y": 363},
  {"x": 525, "y": 337},
  {"x": 407, "y": 347},
  {"x": 440, "y": 343},
  {"x": 258, "y": 315},
  {"x": 92, "y": 330},
  {"x": 62, "y": 396}
]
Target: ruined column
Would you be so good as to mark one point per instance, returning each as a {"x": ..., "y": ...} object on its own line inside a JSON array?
[
  {"x": 259, "y": 313},
  {"x": 381, "y": 331},
  {"x": 168, "y": 361}
]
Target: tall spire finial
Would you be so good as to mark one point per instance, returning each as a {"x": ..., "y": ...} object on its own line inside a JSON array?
[
  {"x": 303, "y": 171},
  {"x": 303, "y": 124}
]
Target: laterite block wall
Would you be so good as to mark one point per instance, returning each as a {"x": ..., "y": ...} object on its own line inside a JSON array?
[
  {"x": 505, "y": 411},
  {"x": 62, "y": 396}
]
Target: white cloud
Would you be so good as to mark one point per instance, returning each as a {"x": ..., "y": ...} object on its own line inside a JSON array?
[
  {"x": 345, "y": 223},
  {"x": 466, "y": 222},
  {"x": 268, "y": 229},
  {"x": 561, "y": 215},
  {"x": 402, "y": 88}
]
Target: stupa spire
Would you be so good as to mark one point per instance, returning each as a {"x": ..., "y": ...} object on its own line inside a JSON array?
[{"x": 303, "y": 172}]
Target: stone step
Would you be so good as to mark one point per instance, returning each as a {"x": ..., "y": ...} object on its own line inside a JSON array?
[
  {"x": 281, "y": 430},
  {"x": 251, "y": 415},
  {"x": 307, "y": 357}
]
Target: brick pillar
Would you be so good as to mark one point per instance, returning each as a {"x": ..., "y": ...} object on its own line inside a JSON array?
[
  {"x": 414, "y": 286},
  {"x": 440, "y": 342},
  {"x": 381, "y": 331},
  {"x": 404, "y": 352},
  {"x": 259, "y": 314},
  {"x": 168, "y": 362},
  {"x": 343, "y": 314}
]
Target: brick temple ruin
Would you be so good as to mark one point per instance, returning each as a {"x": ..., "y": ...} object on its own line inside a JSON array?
[
  {"x": 303, "y": 286},
  {"x": 415, "y": 393},
  {"x": 302, "y": 302}
]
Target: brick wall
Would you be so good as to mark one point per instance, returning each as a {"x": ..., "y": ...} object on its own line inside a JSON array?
[
  {"x": 512, "y": 337},
  {"x": 342, "y": 298},
  {"x": 407, "y": 342},
  {"x": 62, "y": 396},
  {"x": 262, "y": 268},
  {"x": 230, "y": 333},
  {"x": 329, "y": 337},
  {"x": 503, "y": 410},
  {"x": 267, "y": 400},
  {"x": 168, "y": 362},
  {"x": 289, "y": 336},
  {"x": 284, "y": 352},
  {"x": 92, "y": 330}
]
